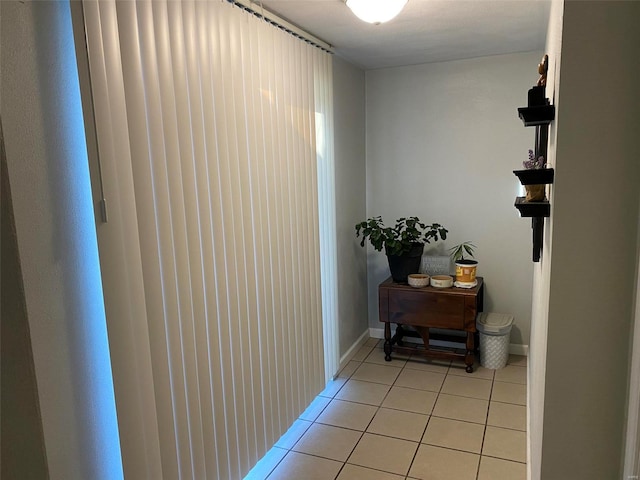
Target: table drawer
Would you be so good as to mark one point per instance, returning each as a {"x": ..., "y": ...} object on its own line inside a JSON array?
[{"x": 427, "y": 309}]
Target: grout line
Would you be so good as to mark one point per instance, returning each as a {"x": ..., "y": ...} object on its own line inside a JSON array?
[
  {"x": 458, "y": 420},
  {"x": 406, "y": 362},
  {"x": 507, "y": 428},
  {"x": 429, "y": 419},
  {"x": 505, "y": 459},
  {"x": 350, "y": 453},
  {"x": 484, "y": 433},
  {"x": 278, "y": 463}
]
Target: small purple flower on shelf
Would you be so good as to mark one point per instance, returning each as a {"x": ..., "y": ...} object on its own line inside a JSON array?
[{"x": 534, "y": 163}]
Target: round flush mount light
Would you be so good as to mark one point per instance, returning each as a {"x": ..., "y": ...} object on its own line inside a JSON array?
[{"x": 376, "y": 11}]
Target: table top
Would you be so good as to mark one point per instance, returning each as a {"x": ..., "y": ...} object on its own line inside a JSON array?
[{"x": 389, "y": 283}]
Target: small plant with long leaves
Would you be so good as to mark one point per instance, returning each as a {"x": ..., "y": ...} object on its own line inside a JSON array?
[{"x": 459, "y": 251}]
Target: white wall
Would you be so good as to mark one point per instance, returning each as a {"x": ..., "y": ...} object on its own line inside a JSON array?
[
  {"x": 542, "y": 270},
  {"x": 594, "y": 235},
  {"x": 442, "y": 141},
  {"x": 49, "y": 179},
  {"x": 349, "y": 120},
  {"x": 23, "y": 453}
]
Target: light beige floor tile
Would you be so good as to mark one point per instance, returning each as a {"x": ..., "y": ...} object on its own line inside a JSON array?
[
  {"x": 266, "y": 464},
  {"x": 398, "y": 424},
  {"x": 467, "y": 387},
  {"x": 363, "y": 392},
  {"x": 291, "y": 436},
  {"x": 435, "y": 463},
  {"x": 348, "y": 369},
  {"x": 497, "y": 469},
  {"x": 377, "y": 356},
  {"x": 519, "y": 360},
  {"x": 507, "y": 415},
  {"x": 505, "y": 444},
  {"x": 461, "y": 408},
  {"x": 512, "y": 374},
  {"x": 410, "y": 400},
  {"x": 362, "y": 353},
  {"x": 333, "y": 387},
  {"x": 418, "y": 362},
  {"x": 405, "y": 356},
  {"x": 348, "y": 415},
  {"x": 328, "y": 442},
  {"x": 509, "y": 393},
  {"x": 458, "y": 367},
  {"x": 355, "y": 472},
  {"x": 371, "y": 372},
  {"x": 383, "y": 453},
  {"x": 444, "y": 432},
  {"x": 299, "y": 465},
  {"x": 373, "y": 342},
  {"x": 431, "y": 381},
  {"x": 315, "y": 409}
]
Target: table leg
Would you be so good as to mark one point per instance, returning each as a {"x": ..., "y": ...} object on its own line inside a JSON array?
[
  {"x": 387, "y": 341},
  {"x": 424, "y": 334},
  {"x": 397, "y": 338},
  {"x": 469, "y": 357}
]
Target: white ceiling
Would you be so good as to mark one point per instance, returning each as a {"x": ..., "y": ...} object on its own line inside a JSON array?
[{"x": 425, "y": 31}]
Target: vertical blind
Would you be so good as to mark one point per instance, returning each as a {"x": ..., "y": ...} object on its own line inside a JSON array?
[
  {"x": 206, "y": 121},
  {"x": 327, "y": 216}
]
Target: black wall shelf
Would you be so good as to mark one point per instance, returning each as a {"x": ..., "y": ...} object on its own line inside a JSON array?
[
  {"x": 539, "y": 113},
  {"x": 533, "y": 209},
  {"x": 535, "y": 177}
]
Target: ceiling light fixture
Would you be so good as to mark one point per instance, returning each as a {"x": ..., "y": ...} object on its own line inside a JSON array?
[{"x": 376, "y": 11}]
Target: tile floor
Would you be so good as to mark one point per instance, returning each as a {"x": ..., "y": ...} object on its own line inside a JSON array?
[{"x": 410, "y": 418}]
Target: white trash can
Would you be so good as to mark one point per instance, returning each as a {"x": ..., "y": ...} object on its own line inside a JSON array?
[{"x": 495, "y": 329}]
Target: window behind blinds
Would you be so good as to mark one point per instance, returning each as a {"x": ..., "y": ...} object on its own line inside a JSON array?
[{"x": 206, "y": 121}]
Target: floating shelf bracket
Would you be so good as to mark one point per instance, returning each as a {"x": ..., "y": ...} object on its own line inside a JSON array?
[
  {"x": 537, "y": 225},
  {"x": 533, "y": 116},
  {"x": 537, "y": 211}
]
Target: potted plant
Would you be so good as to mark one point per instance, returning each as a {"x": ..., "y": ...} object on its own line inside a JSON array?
[
  {"x": 403, "y": 243},
  {"x": 465, "y": 267},
  {"x": 534, "y": 176}
]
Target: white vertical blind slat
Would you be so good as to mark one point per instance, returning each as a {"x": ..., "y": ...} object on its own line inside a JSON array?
[
  {"x": 226, "y": 256},
  {"x": 124, "y": 301},
  {"x": 209, "y": 64},
  {"x": 214, "y": 432},
  {"x": 270, "y": 278},
  {"x": 327, "y": 214},
  {"x": 220, "y": 131},
  {"x": 277, "y": 166},
  {"x": 192, "y": 130},
  {"x": 169, "y": 200},
  {"x": 137, "y": 93},
  {"x": 193, "y": 282},
  {"x": 254, "y": 225}
]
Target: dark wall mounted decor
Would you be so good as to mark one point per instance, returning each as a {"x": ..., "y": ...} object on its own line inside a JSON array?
[
  {"x": 535, "y": 177},
  {"x": 539, "y": 114}
]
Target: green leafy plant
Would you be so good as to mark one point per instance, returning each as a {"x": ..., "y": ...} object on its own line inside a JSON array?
[
  {"x": 458, "y": 252},
  {"x": 399, "y": 239}
]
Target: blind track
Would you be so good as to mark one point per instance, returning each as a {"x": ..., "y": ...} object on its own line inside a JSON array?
[{"x": 278, "y": 22}]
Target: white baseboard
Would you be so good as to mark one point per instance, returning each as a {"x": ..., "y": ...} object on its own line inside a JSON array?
[
  {"x": 346, "y": 358},
  {"x": 519, "y": 349},
  {"x": 376, "y": 332},
  {"x": 514, "y": 348}
]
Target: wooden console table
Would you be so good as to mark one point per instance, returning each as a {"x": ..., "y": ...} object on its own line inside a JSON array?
[{"x": 424, "y": 308}]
